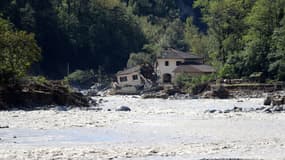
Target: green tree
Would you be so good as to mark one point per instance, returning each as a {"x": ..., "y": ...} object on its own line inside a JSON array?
[
  {"x": 262, "y": 21},
  {"x": 157, "y": 8},
  {"x": 277, "y": 56},
  {"x": 197, "y": 41},
  {"x": 18, "y": 51},
  {"x": 226, "y": 26},
  {"x": 101, "y": 33}
]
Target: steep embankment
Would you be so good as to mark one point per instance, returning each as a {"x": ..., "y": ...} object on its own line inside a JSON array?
[{"x": 31, "y": 94}]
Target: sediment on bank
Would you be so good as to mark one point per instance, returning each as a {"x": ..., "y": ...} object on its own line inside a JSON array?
[{"x": 29, "y": 94}]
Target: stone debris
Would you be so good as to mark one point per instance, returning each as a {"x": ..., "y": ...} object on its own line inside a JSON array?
[
  {"x": 270, "y": 109},
  {"x": 276, "y": 99},
  {"x": 123, "y": 109},
  {"x": 3, "y": 127}
]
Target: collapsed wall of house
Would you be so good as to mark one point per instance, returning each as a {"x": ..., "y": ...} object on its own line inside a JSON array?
[{"x": 135, "y": 80}]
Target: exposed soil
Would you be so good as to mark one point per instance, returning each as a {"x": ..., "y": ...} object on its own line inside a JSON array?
[{"x": 30, "y": 94}]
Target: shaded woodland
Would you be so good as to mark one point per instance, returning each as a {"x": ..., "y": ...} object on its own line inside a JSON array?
[{"x": 240, "y": 38}]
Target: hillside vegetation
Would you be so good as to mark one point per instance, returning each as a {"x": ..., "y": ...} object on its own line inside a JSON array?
[{"x": 240, "y": 38}]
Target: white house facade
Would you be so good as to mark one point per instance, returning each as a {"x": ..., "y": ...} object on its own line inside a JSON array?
[{"x": 173, "y": 62}]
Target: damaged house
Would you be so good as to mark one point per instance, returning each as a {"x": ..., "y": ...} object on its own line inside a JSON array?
[
  {"x": 132, "y": 80},
  {"x": 168, "y": 66},
  {"x": 131, "y": 76}
]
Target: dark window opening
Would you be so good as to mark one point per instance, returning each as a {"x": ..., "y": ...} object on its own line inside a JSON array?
[
  {"x": 178, "y": 63},
  {"x": 123, "y": 79},
  {"x": 135, "y": 77},
  {"x": 166, "y": 63}
]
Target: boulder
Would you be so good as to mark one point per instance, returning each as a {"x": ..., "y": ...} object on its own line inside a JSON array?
[
  {"x": 93, "y": 102},
  {"x": 221, "y": 92},
  {"x": 267, "y": 101},
  {"x": 277, "y": 101},
  {"x": 278, "y": 109},
  {"x": 4, "y": 127},
  {"x": 182, "y": 96},
  {"x": 248, "y": 109},
  {"x": 155, "y": 95},
  {"x": 123, "y": 109},
  {"x": 61, "y": 108},
  {"x": 237, "y": 109},
  {"x": 240, "y": 101},
  {"x": 172, "y": 91},
  {"x": 211, "y": 111},
  {"x": 207, "y": 94},
  {"x": 260, "y": 108},
  {"x": 228, "y": 111}
]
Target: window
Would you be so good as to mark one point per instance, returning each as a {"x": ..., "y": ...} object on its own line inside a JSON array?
[
  {"x": 123, "y": 79},
  {"x": 178, "y": 63},
  {"x": 135, "y": 77},
  {"x": 166, "y": 63}
]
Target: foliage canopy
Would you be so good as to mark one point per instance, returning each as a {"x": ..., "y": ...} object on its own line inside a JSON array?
[{"x": 18, "y": 51}]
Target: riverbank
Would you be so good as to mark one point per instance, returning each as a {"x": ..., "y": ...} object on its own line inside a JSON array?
[
  {"x": 32, "y": 93},
  {"x": 154, "y": 129}
]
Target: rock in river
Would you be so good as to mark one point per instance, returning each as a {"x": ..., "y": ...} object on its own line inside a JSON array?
[
  {"x": 267, "y": 101},
  {"x": 123, "y": 109}
]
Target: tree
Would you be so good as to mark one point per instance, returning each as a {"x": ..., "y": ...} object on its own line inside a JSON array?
[
  {"x": 18, "y": 51},
  {"x": 277, "y": 56},
  {"x": 225, "y": 25},
  {"x": 101, "y": 33},
  {"x": 262, "y": 21},
  {"x": 157, "y": 8},
  {"x": 197, "y": 41}
]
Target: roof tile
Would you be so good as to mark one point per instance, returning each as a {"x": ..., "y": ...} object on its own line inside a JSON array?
[
  {"x": 175, "y": 54},
  {"x": 129, "y": 70}
]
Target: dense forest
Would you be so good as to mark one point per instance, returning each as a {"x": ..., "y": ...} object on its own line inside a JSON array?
[{"x": 240, "y": 38}]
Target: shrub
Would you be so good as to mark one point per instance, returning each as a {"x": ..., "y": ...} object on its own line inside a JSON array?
[
  {"x": 85, "y": 79},
  {"x": 81, "y": 79},
  {"x": 192, "y": 84},
  {"x": 228, "y": 71}
]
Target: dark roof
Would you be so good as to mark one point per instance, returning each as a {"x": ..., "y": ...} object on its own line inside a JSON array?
[
  {"x": 129, "y": 70},
  {"x": 175, "y": 54},
  {"x": 195, "y": 69}
]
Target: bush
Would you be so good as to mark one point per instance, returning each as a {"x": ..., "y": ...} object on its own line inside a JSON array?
[
  {"x": 39, "y": 79},
  {"x": 192, "y": 84},
  {"x": 85, "y": 79},
  {"x": 81, "y": 79},
  {"x": 228, "y": 71},
  {"x": 183, "y": 81},
  {"x": 139, "y": 59}
]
